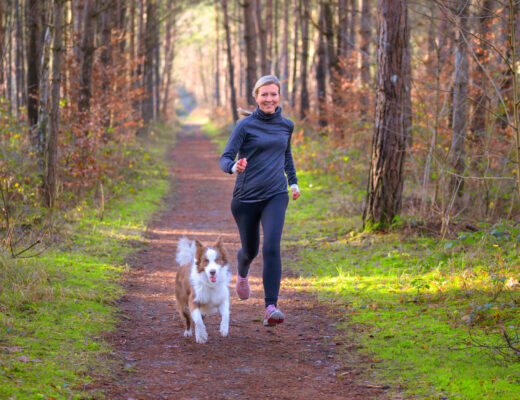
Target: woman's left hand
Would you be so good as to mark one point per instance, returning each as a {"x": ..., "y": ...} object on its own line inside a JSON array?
[{"x": 295, "y": 193}]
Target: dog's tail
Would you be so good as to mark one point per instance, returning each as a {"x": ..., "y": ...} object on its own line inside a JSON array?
[{"x": 185, "y": 251}]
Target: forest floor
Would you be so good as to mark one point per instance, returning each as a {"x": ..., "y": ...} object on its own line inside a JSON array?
[{"x": 299, "y": 359}]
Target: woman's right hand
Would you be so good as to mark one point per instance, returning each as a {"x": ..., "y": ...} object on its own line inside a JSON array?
[{"x": 241, "y": 165}]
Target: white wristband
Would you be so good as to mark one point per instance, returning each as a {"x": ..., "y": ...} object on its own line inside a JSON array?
[
  {"x": 234, "y": 168},
  {"x": 295, "y": 186}
]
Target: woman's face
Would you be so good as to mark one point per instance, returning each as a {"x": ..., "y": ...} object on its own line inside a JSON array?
[{"x": 267, "y": 98}]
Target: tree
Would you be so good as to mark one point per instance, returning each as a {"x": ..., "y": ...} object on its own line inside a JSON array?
[
  {"x": 250, "y": 39},
  {"x": 148, "y": 72},
  {"x": 297, "y": 10},
  {"x": 52, "y": 146},
  {"x": 304, "y": 93},
  {"x": 33, "y": 19},
  {"x": 321, "y": 70},
  {"x": 460, "y": 99},
  {"x": 366, "y": 35},
  {"x": 230, "y": 63},
  {"x": 87, "y": 56},
  {"x": 385, "y": 184}
]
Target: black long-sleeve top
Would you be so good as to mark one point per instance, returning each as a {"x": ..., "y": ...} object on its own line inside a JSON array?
[{"x": 265, "y": 141}]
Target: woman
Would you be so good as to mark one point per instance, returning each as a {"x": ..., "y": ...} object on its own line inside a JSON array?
[{"x": 263, "y": 144}]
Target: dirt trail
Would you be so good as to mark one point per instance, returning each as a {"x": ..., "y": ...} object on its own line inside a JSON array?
[{"x": 297, "y": 360}]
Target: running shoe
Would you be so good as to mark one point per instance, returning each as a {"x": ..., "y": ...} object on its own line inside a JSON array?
[
  {"x": 273, "y": 316},
  {"x": 243, "y": 290}
]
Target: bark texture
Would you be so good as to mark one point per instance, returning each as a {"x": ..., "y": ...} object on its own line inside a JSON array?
[
  {"x": 250, "y": 39},
  {"x": 304, "y": 93},
  {"x": 460, "y": 99},
  {"x": 385, "y": 184},
  {"x": 52, "y": 146},
  {"x": 231, "y": 79}
]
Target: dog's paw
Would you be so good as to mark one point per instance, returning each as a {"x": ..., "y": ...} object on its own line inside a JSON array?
[
  {"x": 188, "y": 333},
  {"x": 201, "y": 336},
  {"x": 224, "y": 329}
]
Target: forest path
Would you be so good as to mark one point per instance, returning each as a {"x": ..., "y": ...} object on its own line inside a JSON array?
[{"x": 296, "y": 360}]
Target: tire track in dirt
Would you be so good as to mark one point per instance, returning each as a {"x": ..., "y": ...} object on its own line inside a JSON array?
[{"x": 297, "y": 360}]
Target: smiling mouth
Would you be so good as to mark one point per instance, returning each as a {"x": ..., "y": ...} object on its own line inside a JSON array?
[{"x": 213, "y": 279}]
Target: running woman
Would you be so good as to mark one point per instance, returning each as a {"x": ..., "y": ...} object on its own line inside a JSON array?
[{"x": 264, "y": 168}]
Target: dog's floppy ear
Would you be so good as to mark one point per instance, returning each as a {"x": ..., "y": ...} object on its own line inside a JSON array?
[{"x": 199, "y": 250}]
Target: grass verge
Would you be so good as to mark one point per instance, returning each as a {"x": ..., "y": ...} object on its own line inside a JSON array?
[
  {"x": 429, "y": 316},
  {"x": 55, "y": 307}
]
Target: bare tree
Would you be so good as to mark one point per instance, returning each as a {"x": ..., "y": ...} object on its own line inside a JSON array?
[{"x": 385, "y": 184}]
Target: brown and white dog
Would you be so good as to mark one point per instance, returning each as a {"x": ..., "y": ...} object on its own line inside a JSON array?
[{"x": 201, "y": 286}]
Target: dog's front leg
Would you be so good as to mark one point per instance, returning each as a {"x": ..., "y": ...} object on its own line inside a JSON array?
[
  {"x": 201, "y": 336},
  {"x": 224, "y": 312}
]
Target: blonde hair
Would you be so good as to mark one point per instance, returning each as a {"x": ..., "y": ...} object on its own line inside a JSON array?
[{"x": 265, "y": 80}]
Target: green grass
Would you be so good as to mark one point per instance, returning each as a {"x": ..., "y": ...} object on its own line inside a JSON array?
[
  {"x": 55, "y": 308},
  {"x": 410, "y": 301}
]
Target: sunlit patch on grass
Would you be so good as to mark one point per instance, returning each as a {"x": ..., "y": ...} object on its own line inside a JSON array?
[{"x": 418, "y": 306}]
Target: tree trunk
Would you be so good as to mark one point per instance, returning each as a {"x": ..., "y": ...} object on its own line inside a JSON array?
[
  {"x": 351, "y": 45},
  {"x": 275, "y": 43},
  {"x": 333, "y": 66},
  {"x": 262, "y": 37},
  {"x": 231, "y": 79},
  {"x": 366, "y": 37},
  {"x": 285, "y": 51},
  {"x": 105, "y": 57},
  {"x": 9, "y": 77},
  {"x": 2, "y": 48},
  {"x": 250, "y": 39},
  {"x": 269, "y": 36},
  {"x": 385, "y": 184},
  {"x": 304, "y": 94},
  {"x": 33, "y": 64},
  {"x": 342, "y": 31},
  {"x": 297, "y": 17},
  {"x": 156, "y": 65},
  {"x": 321, "y": 70},
  {"x": 460, "y": 99},
  {"x": 52, "y": 146},
  {"x": 148, "y": 102},
  {"x": 20, "y": 81},
  {"x": 43, "y": 113},
  {"x": 217, "y": 56},
  {"x": 169, "y": 52},
  {"x": 478, "y": 122},
  {"x": 87, "y": 59}
]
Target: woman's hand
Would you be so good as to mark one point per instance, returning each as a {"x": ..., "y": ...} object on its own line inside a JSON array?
[
  {"x": 295, "y": 193},
  {"x": 241, "y": 165}
]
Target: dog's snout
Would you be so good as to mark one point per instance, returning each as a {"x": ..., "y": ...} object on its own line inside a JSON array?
[{"x": 212, "y": 272}]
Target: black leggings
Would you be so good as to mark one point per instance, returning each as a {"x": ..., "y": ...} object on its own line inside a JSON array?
[{"x": 271, "y": 213}]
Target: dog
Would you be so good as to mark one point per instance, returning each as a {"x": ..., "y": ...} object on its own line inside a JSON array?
[{"x": 201, "y": 286}]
